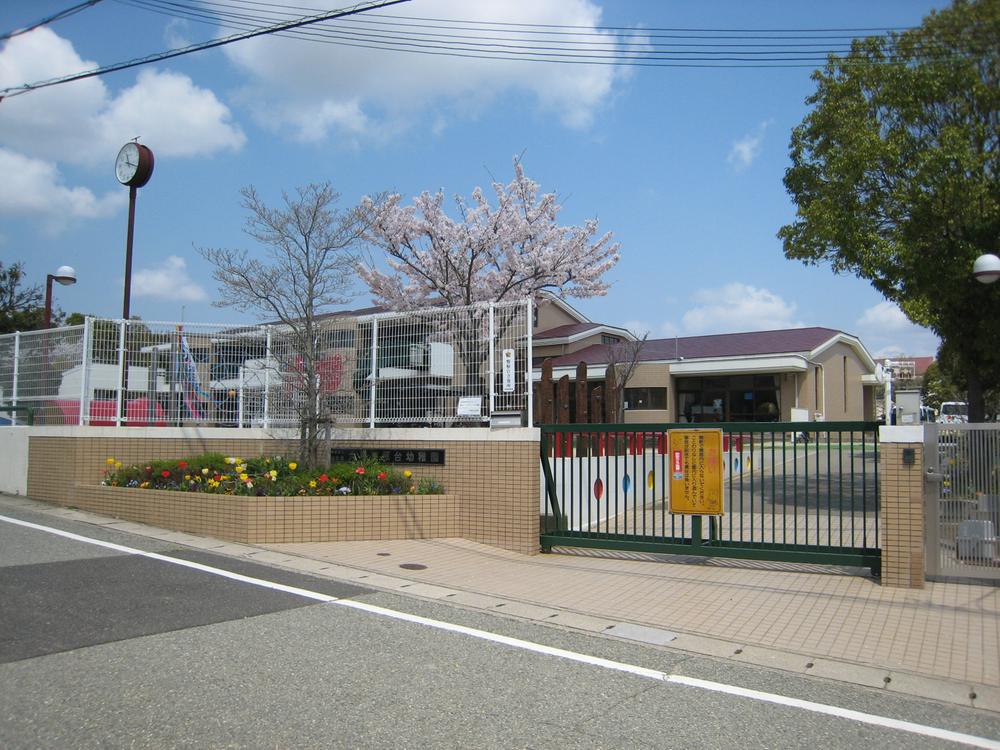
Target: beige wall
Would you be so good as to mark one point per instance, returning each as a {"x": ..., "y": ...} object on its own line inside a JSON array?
[
  {"x": 496, "y": 499},
  {"x": 839, "y": 363},
  {"x": 551, "y": 315}
]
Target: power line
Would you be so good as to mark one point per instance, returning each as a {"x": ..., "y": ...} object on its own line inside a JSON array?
[
  {"x": 635, "y": 49},
  {"x": 275, "y": 28},
  {"x": 49, "y": 19}
]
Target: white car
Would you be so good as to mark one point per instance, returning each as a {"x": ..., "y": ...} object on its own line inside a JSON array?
[{"x": 952, "y": 412}]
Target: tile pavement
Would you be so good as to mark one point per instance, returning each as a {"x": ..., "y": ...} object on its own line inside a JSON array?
[{"x": 941, "y": 642}]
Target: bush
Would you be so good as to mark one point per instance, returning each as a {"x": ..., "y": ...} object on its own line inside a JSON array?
[{"x": 271, "y": 476}]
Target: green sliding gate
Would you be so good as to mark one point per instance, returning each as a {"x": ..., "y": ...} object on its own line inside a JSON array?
[{"x": 793, "y": 491}]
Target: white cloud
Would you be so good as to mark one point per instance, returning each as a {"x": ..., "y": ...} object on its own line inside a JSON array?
[
  {"x": 745, "y": 151},
  {"x": 738, "y": 307},
  {"x": 887, "y": 332},
  {"x": 169, "y": 281},
  {"x": 33, "y": 187},
  {"x": 884, "y": 316},
  {"x": 638, "y": 327},
  {"x": 82, "y": 123},
  {"x": 315, "y": 88}
]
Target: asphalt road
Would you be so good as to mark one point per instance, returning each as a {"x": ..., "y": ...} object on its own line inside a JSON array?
[{"x": 106, "y": 648}]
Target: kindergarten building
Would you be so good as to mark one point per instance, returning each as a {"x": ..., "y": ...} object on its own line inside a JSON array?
[{"x": 795, "y": 374}]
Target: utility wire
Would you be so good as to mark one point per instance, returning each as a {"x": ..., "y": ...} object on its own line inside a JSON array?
[
  {"x": 635, "y": 50},
  {"x": 50, "y": 19},
  {"x": 275, "y": 28}
]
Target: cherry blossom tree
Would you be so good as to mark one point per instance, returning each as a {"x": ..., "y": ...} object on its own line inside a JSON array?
[
  {"x": 515, "y": 249},
  {"x": 508, "y": 249}
]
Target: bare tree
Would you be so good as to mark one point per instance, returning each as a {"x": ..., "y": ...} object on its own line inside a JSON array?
[
  {"x": 623, "y": 358},
  {"x": 309, "y": 265}
]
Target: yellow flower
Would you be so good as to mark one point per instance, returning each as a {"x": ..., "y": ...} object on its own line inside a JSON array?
[
  {"x": 232, "y": 460},
  {"x": 187, "y": 477},
  {"x": 110, "y": 462},
  {"x": 293, "y": 466},
  {"x": 407, "y": 473},
  {"x": 205, "y": 471},
  {"x": 118, "y": 465},
  {"x": 243, "y": 476},
  {"x": 273, "y": 473},
  {"x": 225, "y": 477},
  {"x": 241, "y": 468},
  {"x": 312, "y": 483}
]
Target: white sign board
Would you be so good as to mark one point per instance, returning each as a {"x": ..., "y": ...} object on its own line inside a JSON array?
[
  {"x": 469, "y": 406},
  {"x": 508, "y": 370}
]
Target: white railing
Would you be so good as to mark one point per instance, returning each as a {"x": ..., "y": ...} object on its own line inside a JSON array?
[{"x": 441, "y": 366}]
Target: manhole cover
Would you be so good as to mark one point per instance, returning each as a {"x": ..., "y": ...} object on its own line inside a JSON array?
[{"x": 413, "y": 566}]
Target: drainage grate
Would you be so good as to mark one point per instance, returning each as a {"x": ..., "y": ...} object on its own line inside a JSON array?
[{"x": 413, "y": 566}]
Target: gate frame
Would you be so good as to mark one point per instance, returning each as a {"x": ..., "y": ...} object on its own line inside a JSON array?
[
  {"x": 869, "y": 557},
  {"x": 934, "y": 476}
]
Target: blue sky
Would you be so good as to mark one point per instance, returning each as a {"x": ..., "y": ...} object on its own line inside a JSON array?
[{"x": 683, "y": 165}]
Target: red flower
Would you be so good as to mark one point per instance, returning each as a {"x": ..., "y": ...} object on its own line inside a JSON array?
[
  {"x": 164, "y": 473},
  {"x": 324, "y": 478},
  {"x": 360, "y": 470},
  {"x": 381, "y": 475},
  {"x": 182, "y": 465},
  {"x": 217, "y": 477}
]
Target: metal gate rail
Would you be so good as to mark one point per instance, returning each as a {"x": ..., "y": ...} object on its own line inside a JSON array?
[
  {"x": 794, "y": 491},
  {"x": 962, "y": 463}
]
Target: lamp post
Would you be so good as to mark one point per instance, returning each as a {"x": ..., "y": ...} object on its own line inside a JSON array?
[{"x": 65, "y": 275}]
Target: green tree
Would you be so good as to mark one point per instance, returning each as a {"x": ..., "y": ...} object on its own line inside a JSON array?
[
  {"x": 895, "y": 176},
  {"x": 937, "y": 386},
  {"x": 21, "y": 308}
]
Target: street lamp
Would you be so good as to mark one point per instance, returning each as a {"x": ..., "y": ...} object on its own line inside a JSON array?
[
  {"x": 986, "y": 268},
  {"x": 65, "y": 275}
]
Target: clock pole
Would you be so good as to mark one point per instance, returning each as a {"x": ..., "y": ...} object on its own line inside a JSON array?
[
  {"x": 133, "y": 168},
  {"x": 128, "y": 251}
]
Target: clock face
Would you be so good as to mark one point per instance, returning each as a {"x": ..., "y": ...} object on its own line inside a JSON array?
[{"x": 127, "y": 163}]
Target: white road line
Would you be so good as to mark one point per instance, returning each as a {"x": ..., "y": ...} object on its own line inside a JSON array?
[
  {"x": 175, "y": 561},
  {"x": 538, "y": 648}
]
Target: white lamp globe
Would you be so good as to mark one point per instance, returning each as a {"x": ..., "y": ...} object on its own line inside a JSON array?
[
  {"x": 65, "y": 275},
  {"x": 986, "y": 268}
]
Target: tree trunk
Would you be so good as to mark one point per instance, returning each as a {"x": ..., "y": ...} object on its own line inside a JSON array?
[{"x": 977, "y": 400}]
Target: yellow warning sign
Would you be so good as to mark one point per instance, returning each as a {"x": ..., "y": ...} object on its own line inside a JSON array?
[{"x": 696, "y": 472}]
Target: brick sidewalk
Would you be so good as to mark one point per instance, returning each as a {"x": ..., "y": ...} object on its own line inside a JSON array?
[{"x": 941, "y": 642}]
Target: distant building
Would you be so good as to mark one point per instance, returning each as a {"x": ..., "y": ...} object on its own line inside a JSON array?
[{"x": 761, "y": 376}]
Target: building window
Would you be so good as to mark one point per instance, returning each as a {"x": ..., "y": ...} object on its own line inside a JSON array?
[
  {"x": 845, "y": 385},
  {"x": 607, "y": 338},
  {"x": 645, "y": 398},
  {"x": 737, "y": 398}
]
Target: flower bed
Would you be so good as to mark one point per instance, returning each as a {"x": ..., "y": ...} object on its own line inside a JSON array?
[{"x": 275, "y": 476}]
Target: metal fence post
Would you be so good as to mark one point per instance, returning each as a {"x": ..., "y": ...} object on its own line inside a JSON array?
[
  {"x": 17, "y": 364},
  {"x": 88, "y": 324},
  {"x": 492, "y": 334},
  {"x": 371, "y": 397},
  {"x": 267, "y": 378},
  {"x": 530, "y": 384},
  {"x": 121, "y": 372}
]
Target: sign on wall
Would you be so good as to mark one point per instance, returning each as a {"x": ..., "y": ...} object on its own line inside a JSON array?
[
  {"x": 508, "y": 370},
  {"x": 696, "y": 472}
]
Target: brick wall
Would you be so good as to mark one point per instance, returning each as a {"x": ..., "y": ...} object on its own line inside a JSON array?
[
  {"x": 491, "y": 479},
  {"x": 902, "y": 521}
]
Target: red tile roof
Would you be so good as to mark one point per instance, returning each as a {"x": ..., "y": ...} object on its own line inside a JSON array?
[
  {"x": 569, "y": 329},
  {"x": 785, "y": 341}
]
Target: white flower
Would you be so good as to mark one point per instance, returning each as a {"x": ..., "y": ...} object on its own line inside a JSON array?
[{"x": 344, "y": 490}]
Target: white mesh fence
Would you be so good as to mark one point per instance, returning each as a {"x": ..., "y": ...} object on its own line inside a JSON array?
[{"x": 445, "y": 366}]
